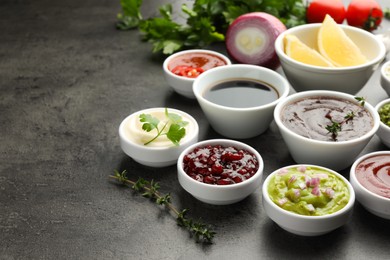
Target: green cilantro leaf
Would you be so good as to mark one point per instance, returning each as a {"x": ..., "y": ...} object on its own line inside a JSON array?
[
  {"x": 176, "y": 124},
  {"x": 176, "y": 133},
  {"x": 149, "y": 121}
]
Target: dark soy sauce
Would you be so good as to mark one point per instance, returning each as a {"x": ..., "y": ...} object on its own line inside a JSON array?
[{"x": 241, "y": 93}]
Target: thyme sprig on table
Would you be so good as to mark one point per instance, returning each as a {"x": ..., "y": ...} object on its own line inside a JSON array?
[
  {"x": 197, "y": 229},
  {"x": 335, "y": 127}
]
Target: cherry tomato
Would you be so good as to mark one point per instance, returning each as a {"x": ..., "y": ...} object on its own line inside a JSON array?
[
  {"x": 365, "y": 14},
  {"x": 317, "y": 10},
  {"x": 187, "y": 71}
]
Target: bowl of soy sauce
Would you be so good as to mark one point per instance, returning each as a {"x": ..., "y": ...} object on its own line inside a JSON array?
[{"x": 239, "y": 100}]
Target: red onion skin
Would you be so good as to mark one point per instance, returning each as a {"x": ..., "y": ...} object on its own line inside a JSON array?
[{"x": 272, "y": 25}]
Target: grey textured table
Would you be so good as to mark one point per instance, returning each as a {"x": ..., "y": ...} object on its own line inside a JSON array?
[{"x": 67, "y": 79}]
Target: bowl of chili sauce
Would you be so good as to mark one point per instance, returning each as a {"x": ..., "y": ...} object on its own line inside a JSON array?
[{"x": 181, "y": 68}]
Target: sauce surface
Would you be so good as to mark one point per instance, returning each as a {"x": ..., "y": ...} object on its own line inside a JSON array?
[
  {"x": 374, "y": 174},
  {"x": 241, "y": 93},
  {"x": 309, "y": 117},
  {"x": 308, "y": 191},
  {"x": 203, "y": 61},
  {"x": 219, "y": 165}
]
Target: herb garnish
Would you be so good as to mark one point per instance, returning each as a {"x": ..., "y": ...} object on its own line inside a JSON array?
[
  {"x": 361, "y": 100},
  {"x": 176, "y": 129},
  {"x": 206, "y": 22},
  {"x": 199, "y": 230},
  {"x": 335, "y": 127}
]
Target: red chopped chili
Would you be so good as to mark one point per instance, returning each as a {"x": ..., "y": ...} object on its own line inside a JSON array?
[{"x": 187, "y": 71}]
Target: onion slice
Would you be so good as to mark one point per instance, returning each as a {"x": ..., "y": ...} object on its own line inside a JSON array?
[{"x": 251, "y": 37}]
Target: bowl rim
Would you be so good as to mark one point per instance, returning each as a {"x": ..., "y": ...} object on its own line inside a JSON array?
[
  {"x": 283, "y": 56},
  {"x": 313, "y": 93},
  {"x": 223, "y": 142},
  {"x": 383, "y": 67},
  {"x": 379, "y": 106},
  {"x": 352, "y": 173},
  {"x": 346, "y": 208},
  {"x": 271, "y": 73},
  {"x": 156, "y": 148},
  {"x": 179, "y": 53}
]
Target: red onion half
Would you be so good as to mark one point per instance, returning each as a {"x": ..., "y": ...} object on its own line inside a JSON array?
[{"x": 250, "y": 39}]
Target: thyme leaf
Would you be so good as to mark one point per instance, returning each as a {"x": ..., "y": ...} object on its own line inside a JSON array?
[
  {"x": 361, "y": 100},
  {"x": 200, "y": 231},
  {"x": 334, "y": 128}
]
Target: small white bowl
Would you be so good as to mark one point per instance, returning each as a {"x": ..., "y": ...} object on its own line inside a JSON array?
[
  {"x": 157, "y": 154},
  {"x": 374, "y": 203},
  {"x": 220, "y": 194},
  {"x": 306, "y": 225},
  {"x": 234, "y": 122},
  {"x": 336, "y": 155},
  {"x": 384, "y": 130},
  {"x": 181, "y": 84},
  {"x": 385, "y": 77},
  {"x": 345, "y": 79}
]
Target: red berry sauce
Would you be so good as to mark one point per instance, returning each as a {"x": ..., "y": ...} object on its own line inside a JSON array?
[{"x": 220, "y": 165}]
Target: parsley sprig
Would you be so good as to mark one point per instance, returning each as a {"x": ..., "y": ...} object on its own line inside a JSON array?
[
  {"x": 200, "y": 231},
  {"x": 175, "y": 122},
  {"x": 206, "y": 21}
]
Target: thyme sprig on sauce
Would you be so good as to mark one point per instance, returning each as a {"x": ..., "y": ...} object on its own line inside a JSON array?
[
  {"x": 335, "y": 127},
  {"x": 200, "y": 231}
]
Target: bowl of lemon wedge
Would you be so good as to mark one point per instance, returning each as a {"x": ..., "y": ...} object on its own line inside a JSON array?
[{"x": 329, "y": 56}]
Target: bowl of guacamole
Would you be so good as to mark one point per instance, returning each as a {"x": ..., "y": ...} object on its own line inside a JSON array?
[{"x": 308, "y": 200}]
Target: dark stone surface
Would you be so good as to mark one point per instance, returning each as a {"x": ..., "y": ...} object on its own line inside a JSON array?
[{"x": 67, "y": 80}]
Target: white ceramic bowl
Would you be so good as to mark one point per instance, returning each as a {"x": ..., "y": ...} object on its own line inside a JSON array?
[
  {"x": 347, "y": 79},
  {"x": 306, "y": 225},
  {"x": 336, "y": 155},
  {"x": 385, "y": 77},
  {"x": 220, "y": 194},
  {"x": 183, "y": 85},
  {"x": 384, "y": 130},
  {"x": 157, "y": 154},
  {"x": 374, "y": 203},
  {"x": 233, "y": 122}
]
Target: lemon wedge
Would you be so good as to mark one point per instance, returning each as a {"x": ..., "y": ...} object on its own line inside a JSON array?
[
  {"x": 299, "y": 51},
  {"x": 336, "y": 46}
]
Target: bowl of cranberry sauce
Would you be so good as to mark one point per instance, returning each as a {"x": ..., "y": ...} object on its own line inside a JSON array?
[
  {"x": 220, "y": 171},
  {"x": 370, "y": 178}
]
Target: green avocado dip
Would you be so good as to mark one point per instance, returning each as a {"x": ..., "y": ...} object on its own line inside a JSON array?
[
  {"x": 310, "y": 191},
  {"x": 384, "y": 113}
]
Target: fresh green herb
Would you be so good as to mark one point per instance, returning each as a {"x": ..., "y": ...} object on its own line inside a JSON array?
[
  {"x": 176, "y": 125},
  {"x": 334, "y": 129},
  {"x": 199, "y": 230},
  {"x": 384, "y": 113},
  {"x": 386, "y": 13},
  {"x": 349, "y": 116},
  {"x": 361, "y": 100},
  {"x": 207, "y": 21},
  {"x": 130, "y": 16}
]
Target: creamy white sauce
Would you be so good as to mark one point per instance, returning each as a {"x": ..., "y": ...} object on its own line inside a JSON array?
[{"x": 135, "y": 133}]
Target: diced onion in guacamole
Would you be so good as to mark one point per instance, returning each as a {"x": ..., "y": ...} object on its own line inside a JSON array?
[{"x": 308, "y": 191}]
